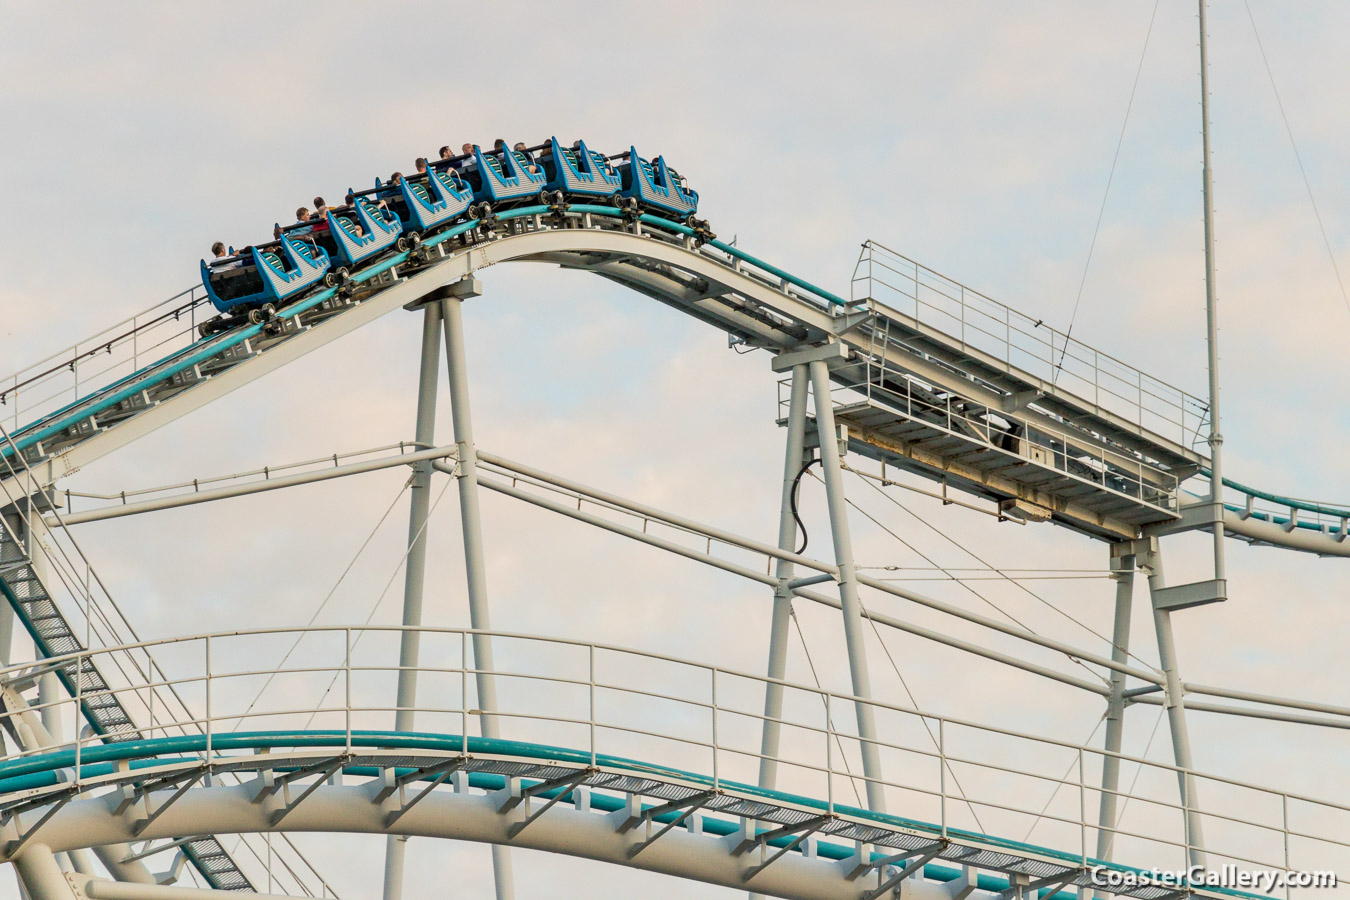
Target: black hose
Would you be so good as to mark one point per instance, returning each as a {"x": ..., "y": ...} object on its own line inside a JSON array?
[{"x": 792, "y": 502}]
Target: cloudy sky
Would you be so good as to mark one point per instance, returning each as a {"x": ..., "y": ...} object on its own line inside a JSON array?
[{"x": 976, "y": 137}]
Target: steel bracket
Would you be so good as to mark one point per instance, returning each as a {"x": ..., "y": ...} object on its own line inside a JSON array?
[{"x": 833, "y": 353}]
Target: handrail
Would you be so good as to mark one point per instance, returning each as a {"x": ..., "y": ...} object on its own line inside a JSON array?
[
  {"x": 685, "y": 709},
  {"x": 1336, "y": 512},
  {"x": 35, "y": 773},
  {"x": 1018, "y": 341},
  {"x": 80, "y": 409}
]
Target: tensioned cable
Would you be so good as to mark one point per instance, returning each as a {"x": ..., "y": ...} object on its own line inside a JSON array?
[
  {"x": 992, "y": 605},
  {"x": 829, "y": 721},
  {"x": 1298, "y": 157},
  {"x": 312, "y": 619},
  {"x": 402, "y": 560},
  {"x": 923, "y": 719},
  {"x": 373, "y": 610},
  {"x": 1022, "y": 587},
  {"x": 1120, "y": 142},
  {"x": 1059, "y": 784},
  {"x": 1111, "y": 838}
]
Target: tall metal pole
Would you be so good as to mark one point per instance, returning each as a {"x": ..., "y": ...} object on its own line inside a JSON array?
[
  {"x": 1115, "y": 709},
  {"x": 848, "y": 583},
  {"x": 474, "y": 567},
  {"x": 1211, "y": 317},
  {"x": 414, "y": 573},
  {"x": 782, "y": 597},
  {"x": 1176, "y": 710}
]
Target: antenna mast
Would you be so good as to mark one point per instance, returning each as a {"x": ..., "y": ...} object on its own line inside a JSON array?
[{"x": 1212, "y": 320}]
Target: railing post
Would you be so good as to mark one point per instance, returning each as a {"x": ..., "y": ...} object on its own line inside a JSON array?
[
  {"x": 1140, "y": 379},
  {"x": 829, "y": 756},
  {"x": 1284, "y": 810},
  {"x": 591, "y": 681},
  {"x": 963, "y": 317},
  {"x": 464, "y": 693},
  {"x": 942, "y": 773},
  {"x": 1186, "y": 816},
  {"x": 717, "y": 781},
  {"x": 1082, "y": 809},
  {"x": 79, "y": 703},
  {"x": 347, "y": 674},
  {"x": 208, "y": 697},
  {"x": 917, "y": 302},
  {"x": 1096, "y": 379}
]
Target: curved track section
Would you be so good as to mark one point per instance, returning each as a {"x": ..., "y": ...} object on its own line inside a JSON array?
[
  {"x": 617, "y": 755},
  {"x": 966, "y": 405},
  {"x": 618, "y": 811}
]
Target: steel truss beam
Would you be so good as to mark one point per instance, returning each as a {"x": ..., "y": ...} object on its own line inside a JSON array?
[{"x": 271, "y": 484}]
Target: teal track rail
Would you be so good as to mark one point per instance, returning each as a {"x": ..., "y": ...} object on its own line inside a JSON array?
[
  {"x": 56, "y": 422},
  {"x": 55, "y": 767},
  {"x": 1335, "y": 512}
]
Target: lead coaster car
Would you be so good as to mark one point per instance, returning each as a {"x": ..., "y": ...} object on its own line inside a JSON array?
[{"x": 656, "y": 186}]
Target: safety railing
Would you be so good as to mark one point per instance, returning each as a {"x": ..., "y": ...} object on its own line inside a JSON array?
[
  {"x": 91, "y": 500},
  {"x": 1015, "y": 341},
  {"x": 960, "y": 780},
  {"x": 89, "y": 365}
]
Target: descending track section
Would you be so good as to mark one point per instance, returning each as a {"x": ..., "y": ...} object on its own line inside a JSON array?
[
  {"x": 53, "y": 637},
  {"x": 929, "y": 375}
]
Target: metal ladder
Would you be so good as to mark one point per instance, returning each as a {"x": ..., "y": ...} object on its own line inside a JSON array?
[{"x": 53, "y": 636}]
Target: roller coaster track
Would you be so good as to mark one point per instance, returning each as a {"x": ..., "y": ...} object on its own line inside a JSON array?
[
  {"x": 591, "y": 798},
  {"x": 967, "y": 406},
  {"x": 976, "y": 408}
]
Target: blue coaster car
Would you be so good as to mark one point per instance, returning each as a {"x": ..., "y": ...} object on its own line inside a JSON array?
[
  {"x": 578, "y": 170},
  {"x": 493, "y": 183},
  {"x": 270, "y": 274},
  {"x": 434, "y": 200},
  {"x": 364, "y": 232},
  {"x": 656, "y": 186}
]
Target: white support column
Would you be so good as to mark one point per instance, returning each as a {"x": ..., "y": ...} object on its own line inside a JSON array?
[
  {"x": 1123, "y": 573},
  {"x": 1176, "y": 710},
  {"x": 11, "y": 550},
  {"x": 42, "y": 878},
  {"x": 49, "y": 697},
  {"x": 414, "y": 573},
  {"x": 780, "y": 623},
  {"x": 472, "y": 526},
  {"x": 782, "y": 597},
  {"x": 848, "y": 583}
]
